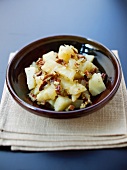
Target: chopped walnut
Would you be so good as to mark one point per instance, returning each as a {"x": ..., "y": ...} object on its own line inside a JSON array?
[
  {"x": 75, "y": 51},
  {"x": 58, "y": 89},
  {"x": 42, "y": 85},
  {"x": 71, "y": 107},
  {"x": 60, "y": 61},
  {"x": 39, "y": 73},
  {"x": 72, "y": 56},
  {"x": 77, "y": 65},
  {"x": 103, "y": 75},
  {"x": 40, "y": 62},
  {"x": 55, "y": 79},
  {"x": 81, "y": 56},
  {"x": 94, "y": 70},
  {"x": 88, "y": 74},
  {"x": 48, "y": 76}
]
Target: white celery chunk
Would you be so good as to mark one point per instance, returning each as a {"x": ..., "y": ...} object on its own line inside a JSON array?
[
  {"x": 30, "y": 71},
  {"x": 96, "y": 84}
]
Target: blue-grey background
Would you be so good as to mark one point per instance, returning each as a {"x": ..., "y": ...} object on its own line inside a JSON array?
[{"x": 24, "y": 21}]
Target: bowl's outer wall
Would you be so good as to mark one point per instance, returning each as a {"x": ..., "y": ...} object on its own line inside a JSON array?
[{"x": 104, "y": 59}]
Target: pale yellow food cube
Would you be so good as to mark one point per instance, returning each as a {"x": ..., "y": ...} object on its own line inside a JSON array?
[
  {"x": 65, "y": 52},
  {"x": 39, "y": 79},
  {"x": 47, "y": 94},
  {"x": 62, "y": 103},
  {"x": 30, "y": 71},
  {"x": 72, "y": 87},
  {"x": 66, "y": 84},
  {"x": 49, "y": 56},
  {"x": 67, "y": 73},
  {"x": 89, "y": 57},
  {"x": 76, "y": 88},
  {"x": 49, "y": 66},
  {"x": 75, "y": 97},
  {"x": 72, "y": 63},
  {"x": 96, "y": 84},
  {"x": 87, "y": 66},
  {"x": 35, "y": 91}
]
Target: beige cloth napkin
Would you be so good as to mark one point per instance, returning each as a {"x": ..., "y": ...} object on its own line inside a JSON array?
[{"x": 105, "y": 128}]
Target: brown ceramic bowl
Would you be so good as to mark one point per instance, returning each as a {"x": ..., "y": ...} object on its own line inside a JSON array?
[{"x": 104, "y": 59}]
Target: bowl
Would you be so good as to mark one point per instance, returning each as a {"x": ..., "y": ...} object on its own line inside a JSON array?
[{"x": 105, "y": 60}]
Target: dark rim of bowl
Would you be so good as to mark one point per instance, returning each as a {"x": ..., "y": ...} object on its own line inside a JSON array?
[{"x": 90, "y": 108}]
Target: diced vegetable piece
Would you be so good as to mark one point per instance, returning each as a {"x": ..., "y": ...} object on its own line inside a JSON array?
[
  {"x": 72, "y": 63},
  {"x": 89, "y": 57},
  {"x": 30, "y": 71},
  {"x": 96, "y": 84},
  {"x": 39, "y": 79},
  {"x": 47, "y": 94},
  {"x": 75, "y": 97},
  {"x": 73, "y": 88},
  {"x": 36, "y": 90},
  {"x": 65, "y": 52},
  {"x": 49, "y": 56},
  {"x": 66, "y": 84},
  {"x": 76, "y": 89},
  {"x": 62, "y": 103},
  {"x": 49, "y": 66},
  {"x": 87, "y": 66},
  {"x": 66, "y": 72}
]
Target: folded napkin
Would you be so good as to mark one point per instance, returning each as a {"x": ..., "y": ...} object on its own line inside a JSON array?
[{"x": 22, "y": 130}]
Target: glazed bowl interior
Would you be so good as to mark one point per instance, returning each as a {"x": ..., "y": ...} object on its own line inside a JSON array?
[{"x": 104, "y": 60}]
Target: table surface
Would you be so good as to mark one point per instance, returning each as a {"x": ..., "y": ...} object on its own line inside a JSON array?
[{"x": 22, "y": 22}]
